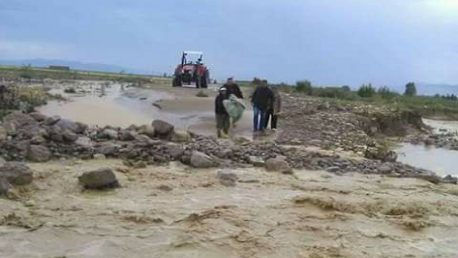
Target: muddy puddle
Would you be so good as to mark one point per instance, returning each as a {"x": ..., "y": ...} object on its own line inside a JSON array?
[
  {"x": 115, "y": 104},
  {"x": 441, "y": 161}
]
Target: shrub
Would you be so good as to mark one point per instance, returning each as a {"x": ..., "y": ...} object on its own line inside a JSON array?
[
  {"x": 386, "y": 93},
  {"x": 366, "y": 91},
  {"x": 304, "y": 86}
]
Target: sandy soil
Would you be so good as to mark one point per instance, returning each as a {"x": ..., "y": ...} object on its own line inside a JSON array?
[{"x": 176, "y": 211}]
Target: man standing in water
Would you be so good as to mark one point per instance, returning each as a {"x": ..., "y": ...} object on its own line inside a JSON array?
[
  {"x": 260, "y": 99},
  {"x": 222, "y": 117},
  {"x": 233, "y": 88}
]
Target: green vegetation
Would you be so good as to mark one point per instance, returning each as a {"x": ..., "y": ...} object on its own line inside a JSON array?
[
  {"x": 411, "y": 90},
  {"x": 445, "y": 107},
  {"x": 28, "y": 72},
  {"x": 366, "y": 91},
  {"x": 304, "y": 87}
]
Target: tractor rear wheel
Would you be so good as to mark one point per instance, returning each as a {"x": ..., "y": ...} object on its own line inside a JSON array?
[{"x": 204, "y": 81}]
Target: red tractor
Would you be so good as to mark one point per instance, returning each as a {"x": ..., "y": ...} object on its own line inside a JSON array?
[{"x": 191, "y": 70}]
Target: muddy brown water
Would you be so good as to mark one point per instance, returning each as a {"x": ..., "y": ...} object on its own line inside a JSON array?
[
  {"x": 442, "y": 161},
  {"x": 101, "y": 104},
  {"x": 119, "y": 105},
  {"x": 266, "y": 215}
]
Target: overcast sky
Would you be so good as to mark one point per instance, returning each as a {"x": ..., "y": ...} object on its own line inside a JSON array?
[{"x": 330, "y": 42}]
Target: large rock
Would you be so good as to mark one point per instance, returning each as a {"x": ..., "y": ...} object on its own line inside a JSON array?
[
  {"x": 256, "y": 161},
  {"x": 69, "y": 136},
  {"x": 38, "y": 153},
  {"x": 162, "y": 129},
  {"x": 201, "y": 160},
  {"x": 227, "y": 178},
  {"x": 74, "y": 127},
  {"x": 16, "y": 173},
  {"x": 52, "y": 120},
  {"x": 99, "y": 179},
  {"x": 127, "y": 135},
  {"x": 38, "y": 140},
  {"x": 141, "y": 138},
  {"x": 39, "y": 117},
  {"x": 17, "y": 120},
  {"x": 180, "y": 136},
  {"x": 176, "y": 151},
  {"x": 381, "y": 153},
  {"x": 55, "y": 134},
  {"x": 278, "y": 165},
  {"x": 110, "y": 134},
  {"x": 108, "y": 149},
  {"x": 385, "y": 169},
  {"x": 147, "y": 130},
  {"x": 84, "y": 141}
]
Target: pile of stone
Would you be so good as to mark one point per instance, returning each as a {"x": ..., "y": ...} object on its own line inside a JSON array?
[
  {"x": 310, "y": 122},
  {"x": 445, "y": 140},
  {"x": 38, "y": 138}
]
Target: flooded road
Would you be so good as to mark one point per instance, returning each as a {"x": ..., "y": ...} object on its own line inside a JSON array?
[{"x": 98, "y": 104}]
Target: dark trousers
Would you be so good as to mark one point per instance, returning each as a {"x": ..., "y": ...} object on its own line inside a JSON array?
[
  {"x": 273, "y": 119},
  {"x": 223, "y": 122}
]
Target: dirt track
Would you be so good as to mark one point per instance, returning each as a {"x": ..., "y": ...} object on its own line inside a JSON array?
[{"x": 176, "y": 211}]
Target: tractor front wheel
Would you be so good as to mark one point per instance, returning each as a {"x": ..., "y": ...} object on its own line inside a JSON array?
[{"x": 177, "y": 81}]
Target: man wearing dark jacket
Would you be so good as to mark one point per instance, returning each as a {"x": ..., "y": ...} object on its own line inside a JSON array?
[
  {"x": 233, "y": 88},
  {"x": 222, "y": 117},
  {"x": 261, "y": 99}
]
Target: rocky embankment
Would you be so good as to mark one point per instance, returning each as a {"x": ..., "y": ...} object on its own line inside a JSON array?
[
  {"x": 37, "y": 138},
  {"x": 350, "y": 127}
]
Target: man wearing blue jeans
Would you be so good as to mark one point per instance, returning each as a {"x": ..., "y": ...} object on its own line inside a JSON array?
[{"x": 260, "y": 99}]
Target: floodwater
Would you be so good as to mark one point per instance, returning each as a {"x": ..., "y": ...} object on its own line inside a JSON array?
[
  {"x": 441, "y": 161},
  {"x": 180, "y": 212},
  {"x": 116, "y": 104}
]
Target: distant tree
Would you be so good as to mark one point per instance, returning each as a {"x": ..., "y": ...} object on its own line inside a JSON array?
[
  {"x": 256, "y": 81},
  {"x": 304, "y": 86},
  {"x": 411, "y": 90},
  {"x": 366, "y": 91},
  {"x": 26, "y": 72},
  {"x": 122, "y": 72},
  {"x": 164, "y": 75},
  {"x": 386, "y": 93},
  {"x": 346, "y": 88}
]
